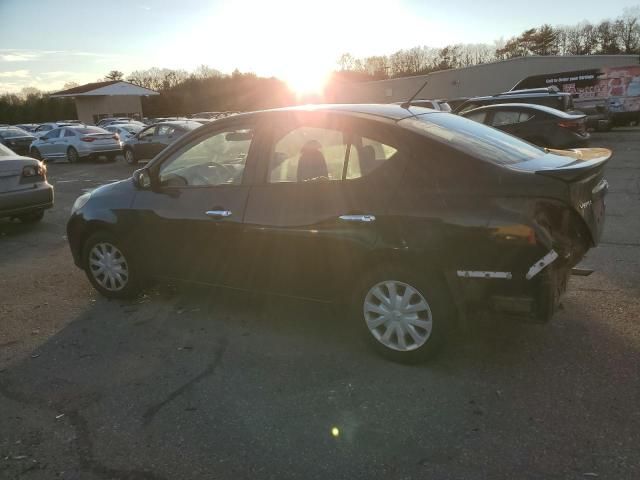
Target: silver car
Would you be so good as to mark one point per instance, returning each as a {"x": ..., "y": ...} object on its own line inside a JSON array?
[
  {"x": 24, "y": 191},
  {"x": 76, "y": 143},
  {"x": 45, "y": 128},
  {"x": 125, "y": 131}
]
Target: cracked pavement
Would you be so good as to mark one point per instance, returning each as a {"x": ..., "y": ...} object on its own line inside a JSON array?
[{"x": 190, "y": 383}]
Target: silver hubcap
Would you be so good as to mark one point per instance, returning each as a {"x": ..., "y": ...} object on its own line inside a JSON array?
[
  {"x": 397, "y": 315},
  {"x": 108, "y": 266},
  {"x": 129, "y": 155}
]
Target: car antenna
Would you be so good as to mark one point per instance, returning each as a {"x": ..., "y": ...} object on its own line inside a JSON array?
[{"x": 407, "y": 104}]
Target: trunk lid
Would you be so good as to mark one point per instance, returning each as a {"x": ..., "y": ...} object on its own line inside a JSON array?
[{"x": 582, "y": 169}]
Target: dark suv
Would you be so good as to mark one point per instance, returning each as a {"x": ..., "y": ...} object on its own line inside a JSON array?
[{"x": 549, "y": 97}]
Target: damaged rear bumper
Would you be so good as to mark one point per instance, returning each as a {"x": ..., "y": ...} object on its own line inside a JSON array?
[{"x": 534, "y": 294}]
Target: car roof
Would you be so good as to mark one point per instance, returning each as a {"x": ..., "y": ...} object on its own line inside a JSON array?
[
  {"x": 524, "y": 106},
  {"x": 388, "y": 111}
]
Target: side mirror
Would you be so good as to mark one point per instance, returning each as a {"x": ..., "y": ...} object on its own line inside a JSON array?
[{"x": 142, "y": 179}]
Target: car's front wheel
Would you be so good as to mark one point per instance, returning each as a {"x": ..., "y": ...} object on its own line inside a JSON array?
[
  {"x": 130, "y": 157},
  {"x": 109, "y": 267},
  {"x": 405, "y": 317}
]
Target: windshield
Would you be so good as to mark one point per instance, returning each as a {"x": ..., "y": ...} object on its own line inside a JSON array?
[
  {"x": 131, "y": 128},
  {"x": 5, "y": 152},
  {"x": 473, "y": 138},
  {"x": 13, "y": 132}
]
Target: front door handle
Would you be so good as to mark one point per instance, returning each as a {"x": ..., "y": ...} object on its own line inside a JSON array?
[
  {"x": 358, "y": 218},
  {"x": 218, "y": 213}
]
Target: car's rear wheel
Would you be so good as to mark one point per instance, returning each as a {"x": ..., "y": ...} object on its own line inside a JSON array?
[
  {"x": 403, "y": 316},
  {"x": 109, "y": 268},
  {"x": 72, "y": 155},
  {"x": 35, "y": 153},
  {"x": 32, "y": 217},
  {"x": 130, "y": 157}
]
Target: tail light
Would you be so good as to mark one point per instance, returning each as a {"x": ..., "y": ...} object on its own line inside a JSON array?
[
  {"x": 573, "y": 125},
  {"x": 34, "y": 170},
  {"x": 87, "y": 139}
]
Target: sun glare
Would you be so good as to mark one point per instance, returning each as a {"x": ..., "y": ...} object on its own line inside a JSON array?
[{"x": 305, "y": 81}]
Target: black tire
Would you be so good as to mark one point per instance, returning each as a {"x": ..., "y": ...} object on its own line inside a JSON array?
[
  {"x": 32, "y": 217},
  {"x": 35, "y": 153},
  {"x": 130, "y": 157},
  {"x": 433, "y": 290},
  {"x": 131, "y": 287},
  {"x": 72, "y": 155}
]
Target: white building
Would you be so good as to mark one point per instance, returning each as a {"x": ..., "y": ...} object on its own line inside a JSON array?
[
  {"x": 113, "y": 98},
  {"x": 478, "y": 80}
]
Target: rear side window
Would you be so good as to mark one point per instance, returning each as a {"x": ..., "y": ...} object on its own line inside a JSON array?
[
  {"x": 509, "y": 117},
  {"x": 472, "y": 138},
  {"x": 366, "y": 155},
  {"x": 310, "y": 153},
  {"x": 69, "y": 133}
]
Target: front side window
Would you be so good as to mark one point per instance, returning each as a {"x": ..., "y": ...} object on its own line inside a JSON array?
[
  {"x": 52, "y": 134},
  {"x": 218, "y": 159},
  {"x": 165, "y": 130},
  {"x": 148, "y": 133},
  {"x": 312, "y": 154}
]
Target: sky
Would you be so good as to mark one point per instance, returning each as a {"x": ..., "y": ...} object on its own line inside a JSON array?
[{"x": 46, "y": 44}]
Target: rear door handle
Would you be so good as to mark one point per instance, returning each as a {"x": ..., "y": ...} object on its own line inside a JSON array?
[
  {"x": 218, "y": 213},
  {"x": 358, "y": 218}
]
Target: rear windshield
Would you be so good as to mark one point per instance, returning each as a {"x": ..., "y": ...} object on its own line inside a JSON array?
[
  {"x": 473, "y": 138},
  {"x": 12, "y": 132},
  {"x": 89, "y": 130}
]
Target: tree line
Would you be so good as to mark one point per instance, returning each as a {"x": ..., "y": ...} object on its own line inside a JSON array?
[{"x": 608, "y": 37}]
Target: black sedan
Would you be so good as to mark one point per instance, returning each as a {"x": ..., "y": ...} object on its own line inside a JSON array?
[
  {"x": 409, "y": 216},
  {"x": 152, "y": 140},
  {"x": 16, "y": 139},
  {"x": 543, "y": 126}
]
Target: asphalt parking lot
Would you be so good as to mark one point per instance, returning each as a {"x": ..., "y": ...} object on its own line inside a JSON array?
[{"x": 201, "y": 384}]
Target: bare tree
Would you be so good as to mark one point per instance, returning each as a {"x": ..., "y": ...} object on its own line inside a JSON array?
[
  {"x": 628, "y": 27},
  {"x": 69, "y": 85},
  {"x": 607, "y": 38},
  {"x": 114, "y": 75}
]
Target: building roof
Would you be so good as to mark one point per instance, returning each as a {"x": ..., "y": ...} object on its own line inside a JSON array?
[{"x": 111, "y": 87}]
